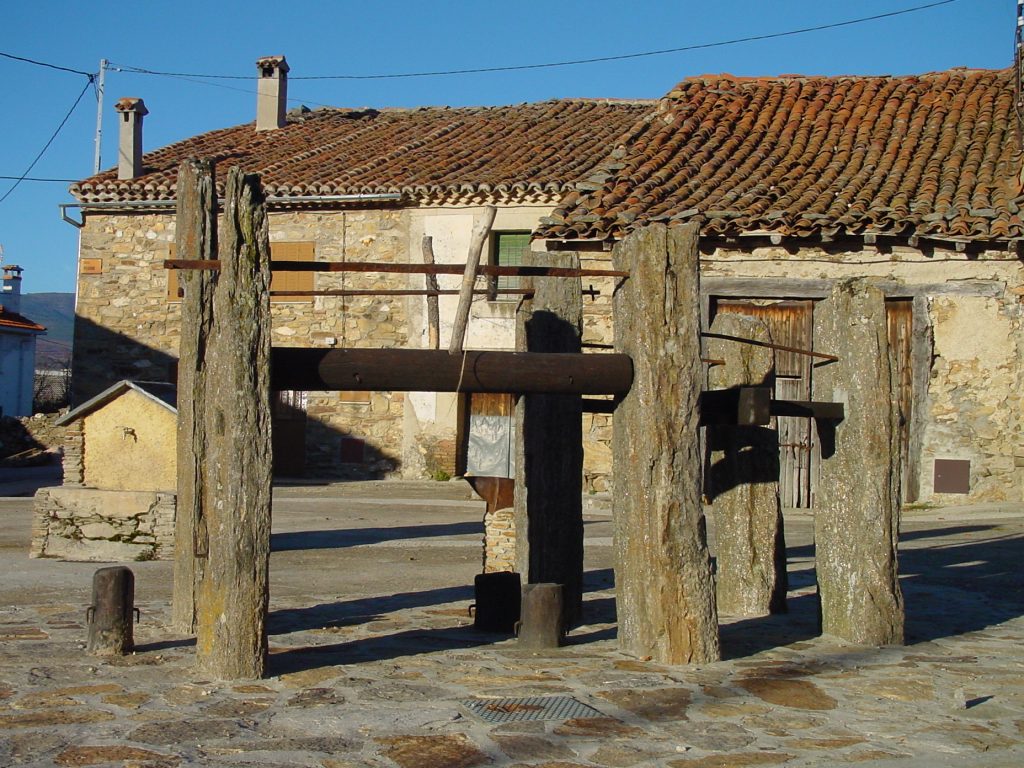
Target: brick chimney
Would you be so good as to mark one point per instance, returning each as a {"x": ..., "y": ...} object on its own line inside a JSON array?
[
  {"x": 10, "y": 295},
  {"x": 129, "y": 148},
  {"x": 271, "y": 92}
]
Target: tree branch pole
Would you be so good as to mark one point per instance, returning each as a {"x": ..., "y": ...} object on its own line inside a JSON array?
[{"x": 476, "y": 247}]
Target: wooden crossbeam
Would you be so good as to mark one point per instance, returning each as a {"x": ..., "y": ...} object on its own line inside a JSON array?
[{"x": 399, "y": 292}]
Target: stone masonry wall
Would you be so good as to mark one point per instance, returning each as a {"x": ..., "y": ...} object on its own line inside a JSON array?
[
  {"x": 128, "y": 325},
  {"x": 972, "y": 407},
  {"x": 499, "y": 541},
  {"x": 86, "y": 524}
]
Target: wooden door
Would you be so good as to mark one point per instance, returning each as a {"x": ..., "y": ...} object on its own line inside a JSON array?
[
  {"x": 289, "y": 433},
  {"x": 791, "y": 324},
  {"x": 900, "y": 320}
]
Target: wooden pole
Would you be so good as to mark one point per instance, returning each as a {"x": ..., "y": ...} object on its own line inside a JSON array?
[
  {"x": 665, "y": 594},
  {"x": 476, "y": 247},
  {"x": 231, "y": 638},
  {"x": 433, "y": 313},
  {"x": 425, "y": 370},
  {"x": 111, "y": 613},
  {"x": 549, "y": 446},
  {"x": 196, "y": 238}
]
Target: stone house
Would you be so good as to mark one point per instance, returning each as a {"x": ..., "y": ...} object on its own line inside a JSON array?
[
  {"x": 117, "y": 501},
  {"x": 343, "y": 185},
  {"x": 17, "y": 348},
  {"x": 797, "y": 182}
]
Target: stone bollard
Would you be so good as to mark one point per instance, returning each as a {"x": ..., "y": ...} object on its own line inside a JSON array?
[
  {"x": 110, "y": 615},
  {"x": 543, "y": 621}
]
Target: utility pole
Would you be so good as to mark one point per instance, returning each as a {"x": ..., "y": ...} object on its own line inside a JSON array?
[{"x": 99, "y": 113}]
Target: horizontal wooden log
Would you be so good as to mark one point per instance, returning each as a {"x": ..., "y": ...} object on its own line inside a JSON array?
[
  {"x": 428, "y": 370},
  {"x": 491, "y": 270}
]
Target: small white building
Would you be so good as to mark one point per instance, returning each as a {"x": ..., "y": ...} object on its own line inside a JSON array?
[{"x": 17, "y": 348}]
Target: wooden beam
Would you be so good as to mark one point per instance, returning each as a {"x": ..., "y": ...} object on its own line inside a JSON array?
[
  {"x": 427, "y": 370},
  {"x": 491, "y": 270},
  {"x": 770, "y": 345},
  {"x": 434, "y": 290}
]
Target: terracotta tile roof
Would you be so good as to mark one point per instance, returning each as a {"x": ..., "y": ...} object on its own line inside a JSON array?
[
  {"x": 16, "y": 322},
  {"x": 935, "y": 155},
  {"x": 529, "y": 150}
]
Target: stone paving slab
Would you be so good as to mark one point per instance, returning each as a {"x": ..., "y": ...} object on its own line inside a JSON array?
[{"x": 373, "y": 654}]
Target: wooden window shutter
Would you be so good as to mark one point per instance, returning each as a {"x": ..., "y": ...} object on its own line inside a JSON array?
[
  {"x": 280, "y": 281},
  {"x": 291, "y": 281}
]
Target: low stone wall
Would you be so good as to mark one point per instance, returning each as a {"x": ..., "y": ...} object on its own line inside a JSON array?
[
  {"x": 91, "y": 525},
  {"x": 499, "y": 541}
]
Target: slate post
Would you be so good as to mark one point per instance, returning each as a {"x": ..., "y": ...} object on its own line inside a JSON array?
[
  {"x": 196, "y": 238},
  {"x": 549, "y": 443},
  {"x": 856, "y": 519},
  {"x": 742, "y": 480},
  {"x": 665, "y": 593},
  {"x": 231, "y": 637}
]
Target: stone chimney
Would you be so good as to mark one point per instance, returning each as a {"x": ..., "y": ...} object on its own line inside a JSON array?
[
  {"x": 10, "y": 295},
  {"x": 129, "y": 148},
  {"x": 271, "y": 92}
]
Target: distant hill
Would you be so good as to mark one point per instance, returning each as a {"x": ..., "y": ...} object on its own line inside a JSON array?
[{"x": 57, "y": 312}]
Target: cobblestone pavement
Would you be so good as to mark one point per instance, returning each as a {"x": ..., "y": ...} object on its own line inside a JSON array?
[{"x": 374, "y": 658}]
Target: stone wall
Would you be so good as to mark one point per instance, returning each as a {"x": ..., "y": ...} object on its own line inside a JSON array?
[
  {"x": 128, "y": 324},
  {"x": 74, "y": 454},
  {"x": 86, "y": 524},
  {"x": 968, "y": 340},
  {"x": 499, "y": 541}
]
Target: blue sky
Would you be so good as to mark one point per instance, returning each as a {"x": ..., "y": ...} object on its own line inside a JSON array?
[{"x": 224, "y": 37}]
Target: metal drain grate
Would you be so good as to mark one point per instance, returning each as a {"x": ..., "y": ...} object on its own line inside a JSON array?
[{"x": 507, "y": 710}]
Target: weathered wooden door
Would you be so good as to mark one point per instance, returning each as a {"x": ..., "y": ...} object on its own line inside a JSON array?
[
  {"x": 289, "y": 433},
  {"x": 900, "y": 320},
  {"x": 791, "y": 324}
]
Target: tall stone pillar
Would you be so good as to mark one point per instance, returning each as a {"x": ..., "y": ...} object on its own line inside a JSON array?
[
  {"x": 742, "y": 480},
  {"x": 549, "y": 444},
  {"x": 665, "y": 593},
  {"x": 856, "y": 520}
]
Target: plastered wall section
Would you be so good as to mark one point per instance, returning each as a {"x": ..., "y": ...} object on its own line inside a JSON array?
[
  {"x": 130, "y": 444},
  {"x": 971, "y": 409}
]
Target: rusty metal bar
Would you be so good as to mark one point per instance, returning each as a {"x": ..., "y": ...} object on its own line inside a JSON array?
[
  {"x": 490, "y": 270},
  {"x": 769, "y": 345},
  {"x": 398, "y": 292}
]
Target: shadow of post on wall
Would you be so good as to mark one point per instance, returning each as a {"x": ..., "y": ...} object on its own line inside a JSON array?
[{"x": 305, "y": 445}]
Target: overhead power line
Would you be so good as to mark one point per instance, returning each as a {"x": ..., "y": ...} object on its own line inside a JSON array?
[
  {"x": 48, "y": 143},
  {"x": 572, "y": 62},
  {"x": 34, "y": 178},
  {"x": 45, "y": 64}
]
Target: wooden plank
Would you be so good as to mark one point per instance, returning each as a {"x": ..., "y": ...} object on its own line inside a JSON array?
[
  {"x": 490, "y": 270},
  {"x": 795, "y": 288},
  {"x": 811, "y": 409},
  {"x": 427, "y": 370}
]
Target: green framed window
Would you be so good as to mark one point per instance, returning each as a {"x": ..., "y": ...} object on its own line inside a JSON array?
[{"x": 507, "y": 250}]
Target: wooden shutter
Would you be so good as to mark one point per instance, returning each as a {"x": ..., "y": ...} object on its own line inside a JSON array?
[{"x": 291, "y": 281}]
